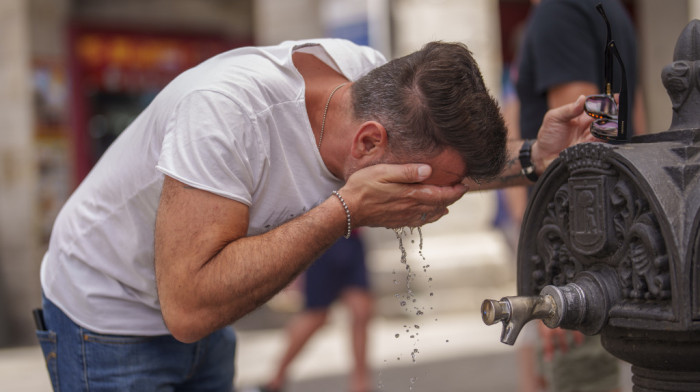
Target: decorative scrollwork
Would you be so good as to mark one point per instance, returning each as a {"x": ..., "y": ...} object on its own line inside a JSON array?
[
  {"x": 645, "y": 272},
  {"x": 554, "y": 263},
  {"x": 627, "y": 207},
  {"x": 631, "y": 238}
]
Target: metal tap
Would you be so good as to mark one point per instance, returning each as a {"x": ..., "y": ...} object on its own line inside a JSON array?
[
  {"x": 582, "y": 305},
  {"x": 555, "y": 306}
]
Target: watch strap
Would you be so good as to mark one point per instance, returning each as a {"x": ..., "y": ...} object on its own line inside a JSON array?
[{"x": 525, "y": 157}]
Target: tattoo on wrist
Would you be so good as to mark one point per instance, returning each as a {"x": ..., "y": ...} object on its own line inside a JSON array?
[
  {"x": 510, "y": 178},
  {"x": 506, "y": 179}
]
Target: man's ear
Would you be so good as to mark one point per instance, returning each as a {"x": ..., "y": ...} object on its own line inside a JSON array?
[{"x": 369, "y": 141}]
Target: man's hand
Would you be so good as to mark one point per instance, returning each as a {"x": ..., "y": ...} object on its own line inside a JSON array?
[
  {"x": 389, "y": 195},
  {"x": 562, "y": 127}
]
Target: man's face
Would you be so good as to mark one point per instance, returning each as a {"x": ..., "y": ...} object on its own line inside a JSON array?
[{"x": 448, "y": 168}]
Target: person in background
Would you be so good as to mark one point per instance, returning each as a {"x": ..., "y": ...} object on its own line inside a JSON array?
[
  {"x": 339, "y": 274},
  {"x": 561, "y": 58}
]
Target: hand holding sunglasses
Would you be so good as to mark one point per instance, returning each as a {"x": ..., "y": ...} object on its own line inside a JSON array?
[{"x": 610, "y": 119}]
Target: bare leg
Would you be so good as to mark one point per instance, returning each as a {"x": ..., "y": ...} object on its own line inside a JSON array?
[
  {"x": 360, "y": 304},
  {"x": 299, "y": 331}
]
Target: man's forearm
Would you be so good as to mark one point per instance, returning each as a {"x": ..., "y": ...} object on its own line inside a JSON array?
[
  {"x": 512, "y": 174},
  {"x": 247, "y": 272}
]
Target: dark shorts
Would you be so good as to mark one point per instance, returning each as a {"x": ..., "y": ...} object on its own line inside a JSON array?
[{"x": 342, "y": 266}]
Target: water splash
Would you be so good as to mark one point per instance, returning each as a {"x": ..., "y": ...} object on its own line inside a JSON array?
[{"x": 410, "y": 299}]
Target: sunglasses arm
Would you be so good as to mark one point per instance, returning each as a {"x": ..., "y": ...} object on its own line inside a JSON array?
[
  {"x": 622, "y": 106},
  {"x": 608, "y": 67}
]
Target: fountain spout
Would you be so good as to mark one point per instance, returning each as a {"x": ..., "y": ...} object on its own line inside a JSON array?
[
  {"x": 582, "y": 304},
  {"x": 515, "y": 312}
]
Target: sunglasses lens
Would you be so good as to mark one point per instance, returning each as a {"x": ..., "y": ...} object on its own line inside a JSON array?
[
  {"x": 601, "y": 106},
  {"x": 604, "y": 129}
]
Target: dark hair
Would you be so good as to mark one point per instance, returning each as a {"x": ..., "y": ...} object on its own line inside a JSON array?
[{"x": 433, "y": 99}]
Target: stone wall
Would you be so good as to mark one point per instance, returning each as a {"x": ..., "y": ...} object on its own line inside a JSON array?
[{"x": 19, "y": 259}]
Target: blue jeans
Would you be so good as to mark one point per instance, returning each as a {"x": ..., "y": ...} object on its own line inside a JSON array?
[{"x": 81, "y": 360}]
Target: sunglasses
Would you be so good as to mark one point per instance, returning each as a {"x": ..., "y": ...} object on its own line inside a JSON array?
[{"x": 610, "y": 118}]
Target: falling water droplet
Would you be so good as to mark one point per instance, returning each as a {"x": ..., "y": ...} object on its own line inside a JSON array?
[{"x": 410, "y": 296}]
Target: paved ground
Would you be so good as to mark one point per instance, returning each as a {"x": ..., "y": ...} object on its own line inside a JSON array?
[
  {"x": 483, "y": 373},
  {"x": 455, "y": 352}
]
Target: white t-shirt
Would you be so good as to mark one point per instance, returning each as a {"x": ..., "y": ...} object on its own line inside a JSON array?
[{"x": 235, "y": 125}]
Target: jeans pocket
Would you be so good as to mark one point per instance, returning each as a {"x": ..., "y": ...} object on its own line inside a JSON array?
[
  {"x": 48, "y": 343},
  {"x": 123, "y": 363}
]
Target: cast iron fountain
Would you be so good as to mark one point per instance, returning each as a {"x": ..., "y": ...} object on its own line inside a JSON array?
[{"x": 610, "y": 242}]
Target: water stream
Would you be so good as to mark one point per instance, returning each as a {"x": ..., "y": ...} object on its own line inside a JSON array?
[{"x": 408, "y": 300}]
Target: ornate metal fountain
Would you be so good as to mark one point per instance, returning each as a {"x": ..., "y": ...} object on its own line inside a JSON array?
[{"x": 610, "y": 242}]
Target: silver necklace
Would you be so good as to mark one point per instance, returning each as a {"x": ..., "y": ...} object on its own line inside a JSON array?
[{"x": 325, "y": 112}]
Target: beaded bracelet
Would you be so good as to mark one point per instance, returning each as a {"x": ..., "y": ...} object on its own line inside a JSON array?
[{"x": 347, "y": 213}]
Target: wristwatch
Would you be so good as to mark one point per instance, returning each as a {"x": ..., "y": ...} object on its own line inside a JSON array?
[{"x": 527, "y": 168}]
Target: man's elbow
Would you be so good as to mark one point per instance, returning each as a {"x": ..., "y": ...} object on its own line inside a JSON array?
[
  {"x": 192, "y": 325},
  {"x": 186, "y": 327}
]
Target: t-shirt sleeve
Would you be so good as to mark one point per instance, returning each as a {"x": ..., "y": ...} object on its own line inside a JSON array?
[
  {"x": 211, "y": 144},
  {"x": 354, "y": 60},
  {"x": 565, "y": 48}
]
